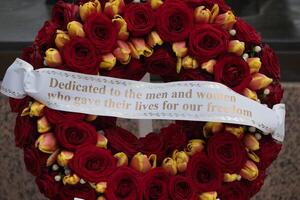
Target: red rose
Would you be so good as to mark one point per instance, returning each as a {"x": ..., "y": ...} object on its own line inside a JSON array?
[
  {"x": 46, "y": 36},
  {"x": 254, "y": 186},
  {"x": 34, "y": 56},
  {"x": 174, "y": 21},
  {"x": 35, "y": 160},
  {"x": 194, "y": 75},
  {"x": 47, "y": 185},
  {"x": 208, "y": 41},
  {"x": 17, "y": 105},
  {"x": 232, "y": 71},
  {"x": 161, "y": 63},
  {"x": 74, "y": 135},
  {"x": 93, "y": 164},
  {"x": 124, "y": 184},
  {"x": 234, "y": 190},
  {"x": 270, "y": 63},
  {"x": 102, "y": 122},
  {"x": 101, "y": 32},
  {"x": 57, "y": 117},
  {"x": 174, "y": 137},
  {"x": 83, "y": 191},
  {"x": 63, "y": 13},
  {"x": 140, "y": 18},
  {"x": 275, "y": 95},
  {"x": 204, "y": 173},
  {"x": 80, "y": 56},
  {"x": 246, "y": 33},
  {"x": 181, "y": 188},
  {"x": 268, "y": 152},
  {"x": 152, "y": 144},
  {"x": 25, "y": 130},
  {"x": 155, "y": 184},
  {"x": 121, "y": 140},
  {"x": 192, "y": 128},
  {"x": 227, "y": 152}
]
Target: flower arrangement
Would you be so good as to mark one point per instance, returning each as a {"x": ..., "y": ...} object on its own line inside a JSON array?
[{"x": 89, "y": 157}]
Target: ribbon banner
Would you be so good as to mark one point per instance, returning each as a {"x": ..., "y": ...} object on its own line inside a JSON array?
[{"x": 105, "y": 96}]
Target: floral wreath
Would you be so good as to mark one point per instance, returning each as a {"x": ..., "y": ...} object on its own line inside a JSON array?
[{"x": 89, "y": 157}]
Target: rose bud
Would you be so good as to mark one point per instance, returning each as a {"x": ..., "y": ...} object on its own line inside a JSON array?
[
  {"x": 253, "y": 156},
  {"x": 208, "y": 196},
  {"x": 43, "y": 125},
  {"x": 189, "y": 63},
  {"x": 178, "y": 65},
  {"x": 156, "y": 3},
  {"x": 108, "y": 61},
  {"x": 170, "y": 166},
  {"x": 122, "y": 159},
  {"x": 231, "y": 177},
  {"x": 209, "y": 66},
  {"x": 181, "y": 159},
  {"x": 122, "y": 53},
  {"x": 254, "y": 64},
  {"x": 138, "y": 48},
  {"x": 88, "y": 8},
  {"x": 250, "y": 94},
  {"x": 237, "y": 47},
  {"x": 260, "y": 81},
  {"x": 194, "y": 146},
  {"x": 75, "y": 29},
  {"x": 47, "y": 143},
  {"x": 91, "y": 118},
  {"x": 227, "y": 20},
  {"x": 235, "y": 130},
  {"x": 180, "y": 49},
  {"x": 71, "y": 179},
  {"x": 61, "y": 38},
  {"x": 202, "y": 15},
  {"x": 101, "y": 187},
  {"x": 101, "y": 141},
  {"x": 154, "y": 39},
  {"x": 249, "y": 171},
  {"x": 214, "y": 12},
  {"x": 64, "y": 157},
  {"x": 25, "y": 112},
  {"x": 52, "y": 158},
  {"x": 211, "y": 128},
  {"x": 121, "y": 25},
  {"x": 113, "y": 7},
  {"x": 251, "y": 142},
  {"x": 36, "y": 109},
  {"x": 53, "y": 58},
  {"x": 101, "y": 198},
  {"x": 140, "y": 162}
]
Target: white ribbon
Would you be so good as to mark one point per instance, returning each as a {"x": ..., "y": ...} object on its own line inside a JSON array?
[{"x": 105, "y": 96}]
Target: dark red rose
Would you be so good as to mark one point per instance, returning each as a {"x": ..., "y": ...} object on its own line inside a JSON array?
[
  {"x": 174, "y": 21},
  {"x": 227, "y": 152},
  {"x": 233, "y": 191},
  {"x": 17, "y": 105},
  {"x": 194, "y": 75},
  {"x": 162, "y": 62},
  {"x": 152, "y": 144},
  {"x": 174, "y": 137},
  {"x": 204, "y": 173},
  {"x": 47, "y": 185},
  {"x": 208, "y": 4},
  {"x": 57, "y": 117},
  {"x": 63, "y": 13},
  {"x": 140, "y": 18},
  {"x": 124, "y": 184},
  {"x": 270, "y": 63},
  {"x": 155, "y": 184},
  {"x": 233, "y": 71},
  {"x": 93, "y": 164},
  {"x": 121, "y": 140},
  {"x": 73, "y": 135},
  {"x": 101, "y": 32},
  {"x": 35, "y": 160},
  {"x": 34, "y": 56},
  {"x": 254, "y": 186},
  {"x": 102, "y": 123},
  {"x": 208, "y": 41},
  {"x": 80, "y": 56},
  {"x": 268, "y": 152},
  {"x": 192, "y": 128},
  {"x": 46, "y": 36},
  {"x": 83, "y": 191},
  {"x": 246, "y": 33},
  {"x": 275, "y": 95},
  {"x": 181, "y": 188},
  {"x": 25, "y": 131}
]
